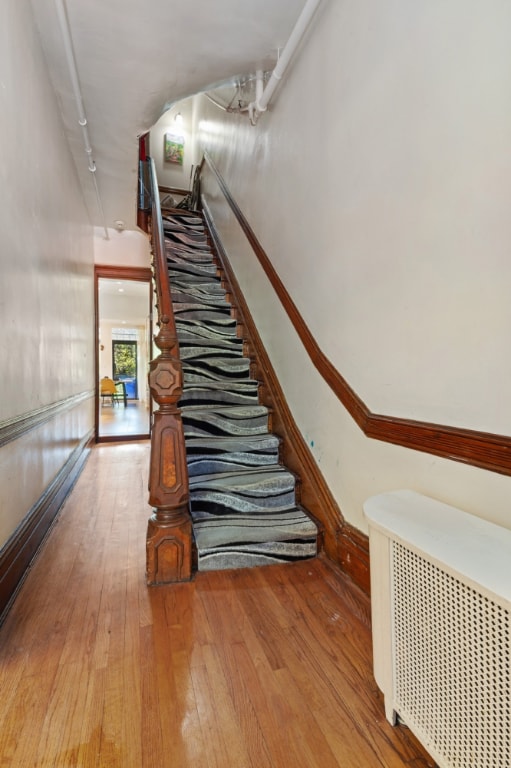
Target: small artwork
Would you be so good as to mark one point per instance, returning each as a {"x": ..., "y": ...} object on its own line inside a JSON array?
[{"x": 174, "y": 148}]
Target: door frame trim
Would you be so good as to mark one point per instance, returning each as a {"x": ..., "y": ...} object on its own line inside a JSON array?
[{"x": 141, "y": 275}]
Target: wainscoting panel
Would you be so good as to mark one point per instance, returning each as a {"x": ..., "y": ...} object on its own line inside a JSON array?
[{"x": 41, "y": 454}]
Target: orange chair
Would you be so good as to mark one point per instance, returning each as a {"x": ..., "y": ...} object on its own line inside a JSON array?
[{"x": 108, "y": 389}]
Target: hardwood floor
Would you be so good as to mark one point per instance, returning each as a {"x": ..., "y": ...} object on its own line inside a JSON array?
[
  {"x": 123, "y": 421},
  {"x": 267, "y": 668}
]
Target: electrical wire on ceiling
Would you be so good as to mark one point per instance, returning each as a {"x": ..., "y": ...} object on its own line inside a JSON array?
[{"x": 82, "y": 119}]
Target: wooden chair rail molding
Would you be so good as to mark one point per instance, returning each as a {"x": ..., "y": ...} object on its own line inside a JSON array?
[
  {"x": 169, "y": 532},
  {"x": 479, "y": 449},
  {"x": 13, "y": 429}
]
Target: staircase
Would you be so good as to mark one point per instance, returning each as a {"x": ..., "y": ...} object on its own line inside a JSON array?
[{"x": 244, "y": 506}]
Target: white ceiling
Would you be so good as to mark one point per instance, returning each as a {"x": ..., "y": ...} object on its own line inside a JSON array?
[
  {"x": 135, "y": 59},
  {"x": 125, "y": 302}
]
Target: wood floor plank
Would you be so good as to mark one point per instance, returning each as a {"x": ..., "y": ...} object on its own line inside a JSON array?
[
  {"x": 60, "y": 733},
  {"x": 89, "y": 748},
  {"x": 256, "y": 668},
  {"x": 269, "y": 706},
  {"x": 344, "y": 740},
  {"x": 118, "y": 745},
  {"x": 341, "y": 653},
  {"x": 219, "y": 724},
  {"x": 271, "y": 629},
  {"x": 171, "y": 702},
  {"x": 254, "y": 731},
  {"x": 270, "y": 700},
  {"x": 33, "y": 694},
  {"x": 284, "y": 721},
  {"x": 151, "y": 723}
]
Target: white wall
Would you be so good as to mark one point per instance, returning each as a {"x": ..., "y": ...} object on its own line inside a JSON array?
[
  {"x": 171, "y": 174},
  {"x": 46, "y": 263},
  {"x": 378, "y": 185},
  {"x": 127, "y": 248}
]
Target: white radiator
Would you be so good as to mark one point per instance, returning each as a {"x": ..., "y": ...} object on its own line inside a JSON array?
[{"x": 441, "y": 622}]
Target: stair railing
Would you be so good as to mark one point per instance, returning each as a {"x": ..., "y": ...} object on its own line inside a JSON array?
[
  {"x": 144, "y": 195},
  {"x": 169, "y": 532}
]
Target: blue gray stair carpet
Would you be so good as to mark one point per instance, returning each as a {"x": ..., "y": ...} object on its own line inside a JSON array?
[{"x": 244, "y": 504}]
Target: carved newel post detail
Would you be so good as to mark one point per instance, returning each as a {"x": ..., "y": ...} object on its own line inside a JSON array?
[{"x": 169, "y": 533}]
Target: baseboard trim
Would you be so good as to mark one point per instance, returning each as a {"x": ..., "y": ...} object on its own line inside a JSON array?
[
  {"x": 353, "y": 556},
  {"x": 122, "y": 438},
  {"x": 19, "y": 552}
]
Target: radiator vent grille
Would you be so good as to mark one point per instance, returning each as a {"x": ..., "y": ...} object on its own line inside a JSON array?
[{"x": 451, "y": 664}]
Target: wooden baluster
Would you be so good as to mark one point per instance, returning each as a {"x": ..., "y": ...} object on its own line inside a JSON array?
[{"x": 169, "y": 532}]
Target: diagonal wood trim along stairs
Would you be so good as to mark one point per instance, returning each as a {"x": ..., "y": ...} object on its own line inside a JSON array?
[
  {"x": 479, "y": 449},
  {"x": 245, "y": 505}
]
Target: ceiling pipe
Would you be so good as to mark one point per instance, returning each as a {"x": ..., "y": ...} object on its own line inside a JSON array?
[
  {"x": 263, "y": 96},
  {"x": 82, "y": 119}
]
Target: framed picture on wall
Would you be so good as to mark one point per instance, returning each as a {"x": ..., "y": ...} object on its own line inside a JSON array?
[{"x": 173, "y": 148}]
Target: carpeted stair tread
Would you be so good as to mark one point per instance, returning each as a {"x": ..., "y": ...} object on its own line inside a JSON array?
[
  {"x": 197, "y": 263},
  {"x": 215, "y": 368},
  {"x": 247, "y": 491},
  {"x": 200, "y": 298},
  {"x": 178, "y": 224},
  {"x": 184, "y": 218},
  {"x": 222, "y": 420},
  {"x": 196, "y": 313},
  {"x": 190, "y": 345},
  {"x": 217, "y": 334},
  {"x": 246, "y": 555},
  {"x": 179, "y": 251},
  {"x": 220, "y": 393},
  {"x": 291, "y": 526},
  {"x": 290, "y": 523},
  {"x": 198, "y": 285},
  {"x": 210, "y": 312},
  {"x": 192, "y": 308},
  {"x": 209, "y": 348},
  {"x": 189, "y": 280},
  {"x": 189, "y": 239},
  {"x": 220, "y": 327},
  {"x": 209, "y": 455},
  {"x": 218, "y": 446}
]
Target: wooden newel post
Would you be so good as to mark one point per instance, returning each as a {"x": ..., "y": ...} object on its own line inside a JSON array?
[{"x": 169, "y": 532}]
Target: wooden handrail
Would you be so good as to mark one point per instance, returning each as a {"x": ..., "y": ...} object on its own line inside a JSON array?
[
  {"x": 169, "y": 533},
  {"x": 479, "y": 449},
  {"x": 159, "y": 259}
]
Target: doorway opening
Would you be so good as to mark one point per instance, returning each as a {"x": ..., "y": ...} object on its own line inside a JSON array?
[
  {"x": 123, "y": 351},
  {"x": 124, "y": 362}
]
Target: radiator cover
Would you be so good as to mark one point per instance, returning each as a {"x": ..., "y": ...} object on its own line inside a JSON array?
[{"x": 441, "y": 616}]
